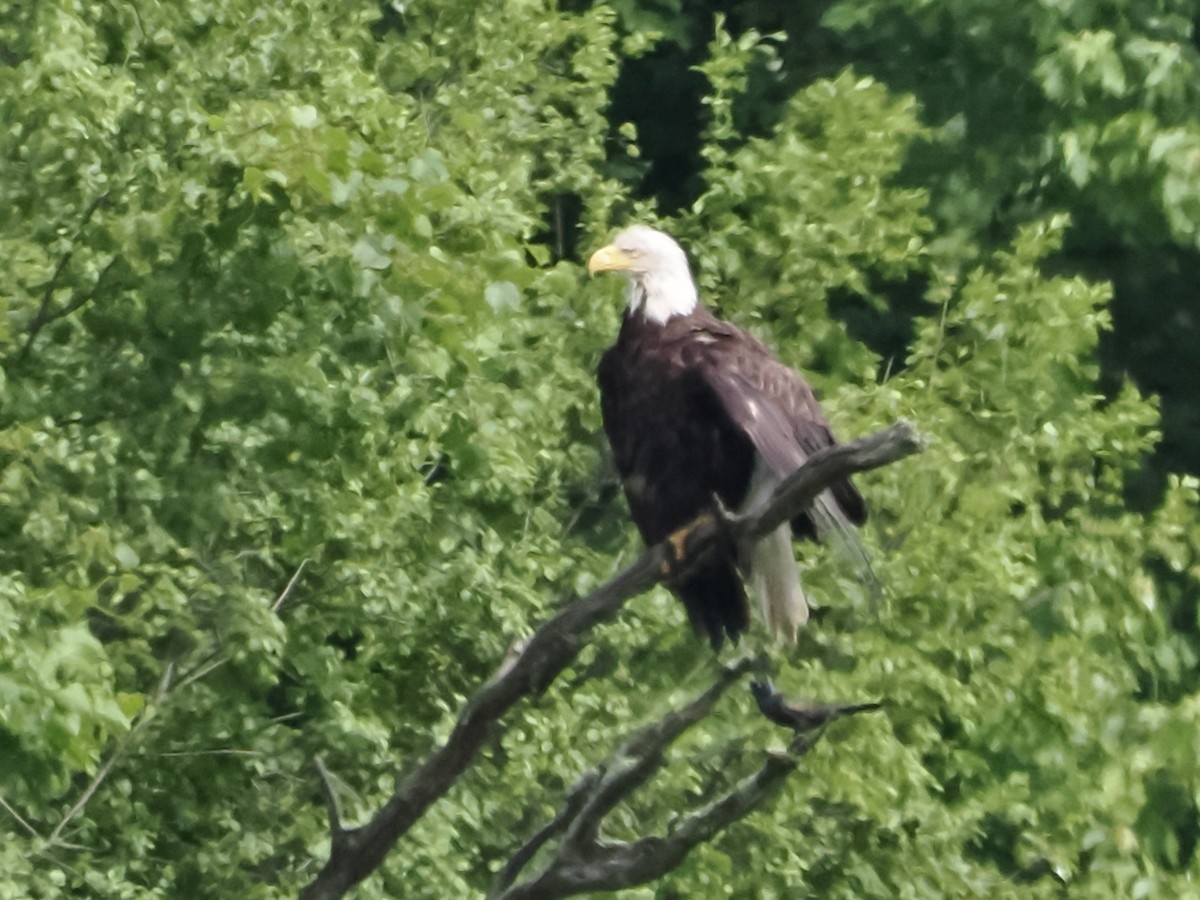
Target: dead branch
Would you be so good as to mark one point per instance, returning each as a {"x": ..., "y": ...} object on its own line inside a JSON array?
[
  {"x": 598, "y": 791},
  {"x": 553, "y": 646},
  {"x": 610, "y": 866},
  {"x": 576, "y": 798},
  {"x": 641, "y": 756}
]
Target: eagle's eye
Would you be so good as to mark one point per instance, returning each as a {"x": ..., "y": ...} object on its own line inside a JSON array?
[{"x": 634, "y": 252}]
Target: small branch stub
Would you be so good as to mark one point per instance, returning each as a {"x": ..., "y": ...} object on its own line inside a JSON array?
[{"x": 337, "y": 833}]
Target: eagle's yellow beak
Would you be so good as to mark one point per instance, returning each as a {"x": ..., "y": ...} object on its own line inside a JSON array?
[{"x": 609, "y": 259}]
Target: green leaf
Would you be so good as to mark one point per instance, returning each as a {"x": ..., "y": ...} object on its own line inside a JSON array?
[{"x": 502, "y": 296}]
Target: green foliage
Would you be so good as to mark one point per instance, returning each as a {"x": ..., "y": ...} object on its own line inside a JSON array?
[
  {"x": 305, "y": 340},
  {"x": 1080, "y": 105},
  {"x": 299, "y": 433},
  {"x": 814, "y": 211}
]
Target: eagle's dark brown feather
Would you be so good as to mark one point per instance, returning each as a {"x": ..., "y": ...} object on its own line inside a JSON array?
[{"x": 688, "y": 405}]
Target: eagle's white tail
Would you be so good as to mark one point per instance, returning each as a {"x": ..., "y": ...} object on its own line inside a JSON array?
[
  {"x": 776, "y": 580},
  {"x": 774, "y": 575}
]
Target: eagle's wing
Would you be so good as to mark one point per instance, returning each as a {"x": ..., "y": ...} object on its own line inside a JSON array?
[
  {"x": 772, "y": 404},
  {"x": 777, "y": 410},
  {"x": 752, "y": 400}
]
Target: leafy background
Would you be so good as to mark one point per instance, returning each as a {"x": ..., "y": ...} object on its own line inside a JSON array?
[{"x": 298, "y": 429}]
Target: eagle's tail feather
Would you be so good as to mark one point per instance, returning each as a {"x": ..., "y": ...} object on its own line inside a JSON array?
[
  {"x": 776, "y": 580},
  {"x": 835, "y": 528}
]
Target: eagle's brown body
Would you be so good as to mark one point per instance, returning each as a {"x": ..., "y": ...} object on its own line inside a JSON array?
[{"x": 691, "y": 406}]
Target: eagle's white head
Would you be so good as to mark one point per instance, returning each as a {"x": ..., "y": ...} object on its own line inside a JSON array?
[{"x": 660, "y": 282}]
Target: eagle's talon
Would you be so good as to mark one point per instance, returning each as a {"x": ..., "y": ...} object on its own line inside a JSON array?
[
  {"x": 726, "y": 518},
  {"x": 676, "y": 555}
]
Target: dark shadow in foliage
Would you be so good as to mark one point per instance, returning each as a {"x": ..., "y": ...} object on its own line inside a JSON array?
[
  {"x": 560, "y": 232},
  {"x": 1156, "y": 340},
  {"x": 660, "y": 94},
  {"x": 390, "y": 21},
  {"x": 999, "y": 841},
  {"x": 1178, "y": 595},
  {"x": 1156, "y": 330},
  {"x": 884, "y": 320},
  {"x": 1169, "y": 823}
]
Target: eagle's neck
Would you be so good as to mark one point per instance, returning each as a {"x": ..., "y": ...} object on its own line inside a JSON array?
[{"x": 662, "y": 295}]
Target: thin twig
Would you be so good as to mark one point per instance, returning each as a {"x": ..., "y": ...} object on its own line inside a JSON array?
[
  {"x": 94, "y": 786},
  {"x": 83, "y": 299},
  {"x": 291, "y": 584},
  {"x": 210, "y": 663},
  {"x": 333, "y": 806},
  {"x": 164, "y": 685},
  {"x": 218, "y": 752},
  {"x": 20, "y": 821},
  {"x": 44, "y": 315}
]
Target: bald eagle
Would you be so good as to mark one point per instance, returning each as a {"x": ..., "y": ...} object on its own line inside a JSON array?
[{"x": 695, "y": 408}]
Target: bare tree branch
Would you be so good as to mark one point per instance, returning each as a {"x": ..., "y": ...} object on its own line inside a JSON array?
[
  {"x": 576, "y": 798},
  {"x": 598, "y": 791},
  {"x": 20, "y": 819},
  {"x": 641, "y": 756},
  {"x": 332, "y": 805},
  {"x": 532, "y": 666},
  {"x": 609, "y": 866},
  {"x": 45, "y": 314}
]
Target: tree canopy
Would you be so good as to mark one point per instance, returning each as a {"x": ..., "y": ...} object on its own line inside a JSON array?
[{"x": 299, "y": 433}]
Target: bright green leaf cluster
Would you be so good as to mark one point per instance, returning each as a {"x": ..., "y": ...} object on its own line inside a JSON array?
[{"x": 299, "y": 434}]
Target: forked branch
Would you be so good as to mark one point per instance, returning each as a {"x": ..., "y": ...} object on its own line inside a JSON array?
[
  {"x": 534, "y": 663},
  {"x": 602, "y": 788}
]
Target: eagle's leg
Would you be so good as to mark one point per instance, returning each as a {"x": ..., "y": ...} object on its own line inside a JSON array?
[{"x": 683, "y": 546}]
